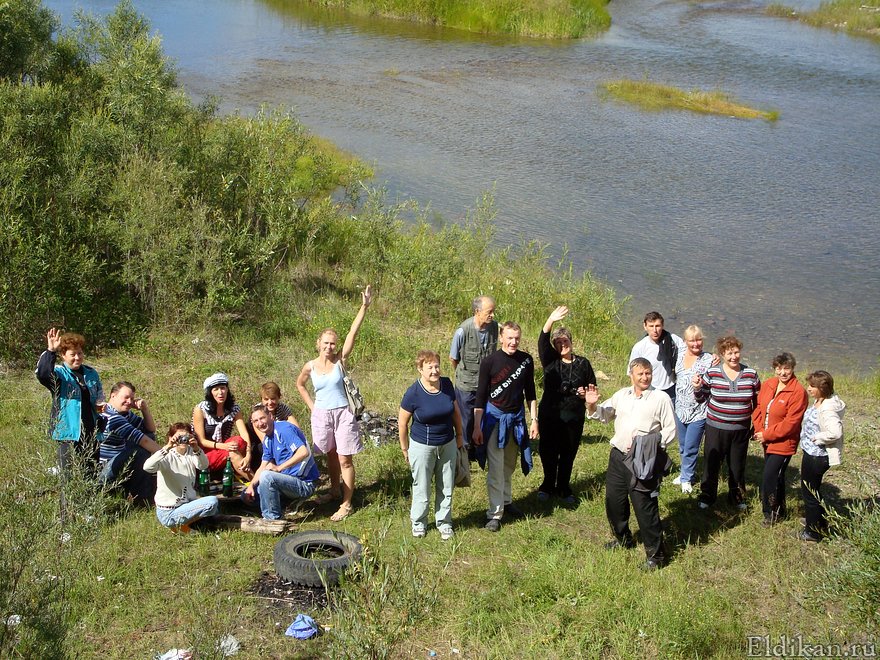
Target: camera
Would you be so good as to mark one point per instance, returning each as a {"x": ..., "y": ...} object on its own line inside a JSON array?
[{"x": 183, "y": 439}]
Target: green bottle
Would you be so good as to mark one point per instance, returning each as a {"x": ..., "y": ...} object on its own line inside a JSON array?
[
  {"x": 227, "y": 478},
  {"x": 204, "y": 485}
]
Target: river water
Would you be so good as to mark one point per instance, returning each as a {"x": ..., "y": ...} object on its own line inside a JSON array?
[{"x": 765, "y": 229}]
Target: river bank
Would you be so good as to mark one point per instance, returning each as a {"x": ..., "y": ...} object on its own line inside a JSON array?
[
  {"x": 547, "y": 19},
  {"x": 857, "y": 17}
]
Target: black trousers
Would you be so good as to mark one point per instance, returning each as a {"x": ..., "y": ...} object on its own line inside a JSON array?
[
  {"x": 732, "y": 447},
  {"x": 813, "y": 468},
  {"x": 773, "y": 485},
  {"x": 618, "y": 495},
  {"x": 558, "y": 447}
]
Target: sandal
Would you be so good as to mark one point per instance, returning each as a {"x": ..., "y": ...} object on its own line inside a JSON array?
[{"x": 342, "y": 513}]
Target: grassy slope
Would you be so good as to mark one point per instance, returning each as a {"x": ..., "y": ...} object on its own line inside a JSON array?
[
  {"x": 555, "y": 19},
  {"x": 543, "y": 587}
]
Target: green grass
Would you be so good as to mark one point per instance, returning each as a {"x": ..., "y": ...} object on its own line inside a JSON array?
[
  {"x": 542, "y": 587},
  {"x": 655, "y": 96},
  {"x": 857, "y": 17},
  {"x": 554, "y": 19},
  {"x": 122, "y": 586}
]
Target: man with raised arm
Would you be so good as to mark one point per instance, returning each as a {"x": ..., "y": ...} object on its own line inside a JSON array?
[{"x": 644, "y": 425}]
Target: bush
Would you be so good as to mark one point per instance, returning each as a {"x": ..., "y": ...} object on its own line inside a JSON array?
[{"x": 125, "y": 204}]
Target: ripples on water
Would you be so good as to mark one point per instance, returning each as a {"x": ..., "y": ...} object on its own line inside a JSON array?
[{"x": 765, "y": 229}]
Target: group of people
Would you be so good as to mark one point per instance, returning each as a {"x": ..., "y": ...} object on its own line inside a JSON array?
[
  {"x": 267, "y": 450},
  {"x": 489, "y": 415}
]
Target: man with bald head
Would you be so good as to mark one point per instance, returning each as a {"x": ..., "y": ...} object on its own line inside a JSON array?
[{"x": 474, "y": 340}]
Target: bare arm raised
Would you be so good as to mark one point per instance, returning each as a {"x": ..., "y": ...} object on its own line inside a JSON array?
[{"x": 366, "y": 299}]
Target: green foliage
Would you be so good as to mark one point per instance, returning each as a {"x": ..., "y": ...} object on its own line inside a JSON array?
[
  {"x": 854, "y": 578},
  {"x": 555, "y": 19},
  {"x": 124, "y": 204},
  {"x": 26, "y": 29},
  {"x": 857, "y": 17},
  {"x": 379, "y": 601},
  {"x": 649, "y": 95}
]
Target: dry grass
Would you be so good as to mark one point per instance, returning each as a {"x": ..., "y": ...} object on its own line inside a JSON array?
[{"x": 655, "y": 96}]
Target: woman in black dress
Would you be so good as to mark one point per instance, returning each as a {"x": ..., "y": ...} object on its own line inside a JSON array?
[{"x": 562, "y": 409}]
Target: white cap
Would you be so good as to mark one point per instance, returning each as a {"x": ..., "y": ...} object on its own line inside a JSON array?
[{"x": 215, "y": 379}]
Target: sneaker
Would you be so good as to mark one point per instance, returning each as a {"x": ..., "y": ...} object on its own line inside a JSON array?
[
  {"x": 418, "y": 530},
  {"x": 804, "y": 535},
  {"x": 493, "y": 525},
  {"x": 703, "y": 505},
  {"x": 570, "y": 500},
  {"x": 651, "y": 565},
  {"x": 677, "y": 480},
  {"x": 687, "y": 488},
  {"x": 446, "y": 532},
  {"x": 543, "y": 496},
  {"x": 513, "y": 511}
]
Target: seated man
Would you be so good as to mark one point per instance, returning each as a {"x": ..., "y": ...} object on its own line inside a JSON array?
[
  {"x": 127, "y": 436},
  {"x": 287, "y": 469},
  {"x": 270, "y": 396}
]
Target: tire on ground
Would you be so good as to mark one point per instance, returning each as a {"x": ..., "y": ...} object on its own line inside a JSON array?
[{"x": 303, "y": 557}]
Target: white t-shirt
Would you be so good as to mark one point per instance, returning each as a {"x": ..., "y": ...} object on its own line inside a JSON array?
[{"x": 648, "y": 349}]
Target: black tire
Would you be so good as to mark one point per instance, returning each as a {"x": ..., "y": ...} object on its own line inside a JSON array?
[{"x": 303, "y": 557}]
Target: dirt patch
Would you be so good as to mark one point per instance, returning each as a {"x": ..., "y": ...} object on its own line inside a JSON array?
[{"x": 285, "y": 599}]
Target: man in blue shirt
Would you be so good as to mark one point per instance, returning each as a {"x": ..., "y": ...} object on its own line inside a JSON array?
[{"x": 288, "y": 469}]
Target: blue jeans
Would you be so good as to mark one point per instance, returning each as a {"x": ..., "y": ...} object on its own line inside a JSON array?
[
  {"x": 427, "y": 462},
  {"x": 466, "y": 402},
  {"x": 275, "y": 485},
  {"x": 689, "y": 438},
  {"x": 200, "y": 508}
]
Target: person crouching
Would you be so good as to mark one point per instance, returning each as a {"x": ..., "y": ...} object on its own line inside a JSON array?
[{"x": 177, "y": 503}]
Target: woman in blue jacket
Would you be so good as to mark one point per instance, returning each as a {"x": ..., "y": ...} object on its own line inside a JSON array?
[{"x": 77, "y": 397}]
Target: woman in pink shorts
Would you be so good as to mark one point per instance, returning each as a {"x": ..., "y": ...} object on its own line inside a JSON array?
[{"x": 335, "y": 430}]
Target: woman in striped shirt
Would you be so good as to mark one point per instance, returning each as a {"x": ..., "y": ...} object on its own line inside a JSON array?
[{"x": 731, "y": 389}]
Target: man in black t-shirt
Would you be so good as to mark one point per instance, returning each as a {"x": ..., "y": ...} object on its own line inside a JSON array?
[{"x": 507, "y": 380}]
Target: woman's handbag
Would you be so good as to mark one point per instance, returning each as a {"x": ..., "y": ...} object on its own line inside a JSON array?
[{"x": 352, "y": 393}]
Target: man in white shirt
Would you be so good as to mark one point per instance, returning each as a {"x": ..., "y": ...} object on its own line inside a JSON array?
[
  {"x": 661, "y": 349},
  {"x": 637, "y": 411}
]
